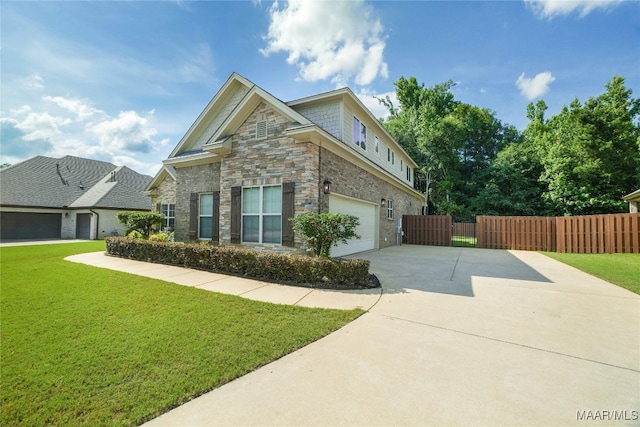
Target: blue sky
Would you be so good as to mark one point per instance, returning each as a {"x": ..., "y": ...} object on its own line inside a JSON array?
[{"x": 123, "y": 81}]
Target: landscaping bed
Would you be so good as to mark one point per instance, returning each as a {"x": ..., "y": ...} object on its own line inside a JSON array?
[{"x": 298, "y": 270}]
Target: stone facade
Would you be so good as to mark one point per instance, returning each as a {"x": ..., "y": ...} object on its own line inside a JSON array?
[
  {"x": 352, "y": 181},
  {"x": 165, "y": 193},
  {"x": 274, "y": 160},
  {"x": 192, "y": 179}
]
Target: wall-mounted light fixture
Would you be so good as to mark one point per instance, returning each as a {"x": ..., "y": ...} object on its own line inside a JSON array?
[
  {"x": 383, "y": 203},
  {"x": 66, "y": 214},
  {"x": 326, "y": 186}
]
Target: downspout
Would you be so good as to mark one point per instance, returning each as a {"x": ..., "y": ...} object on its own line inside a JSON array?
[{"x": 97, "y": 222}]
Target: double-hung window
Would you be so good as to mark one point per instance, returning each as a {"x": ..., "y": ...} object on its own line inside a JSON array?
[
  {"x": 169, "y": 211},
  {"x": 205, "y": 216},
  {"x": 377, "y": 143},
  {"x": 359, "y": 134},
  {"x": 262, "y": 214},
  {"x": 408, "y": 174},
  {"x": 390, "y": 209}
]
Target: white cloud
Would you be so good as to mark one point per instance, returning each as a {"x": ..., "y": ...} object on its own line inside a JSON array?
[
  {"x": 535, "y": 87},
  {"x": 43, "y": 126},
  {"x": 73, "y": 127},
  {"x": 370, "y": 100},
  {"x": 128, "y": 132},
  {"x": 34, "y": 81},
  {"x": 553, "y": 8},
  {"x": 82, "y": 110},
  {"x": 337, "y": 40}
]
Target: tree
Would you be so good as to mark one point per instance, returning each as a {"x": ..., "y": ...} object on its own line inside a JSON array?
[
  {"x": 142, "y": 222},
  {"x": 453, "y": 143},
  {"x": 322, "y": 231},
  {"x": 592, "y": 153}
]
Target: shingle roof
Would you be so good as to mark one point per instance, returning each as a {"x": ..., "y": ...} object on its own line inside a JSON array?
[{"x": 72, "y": 182}]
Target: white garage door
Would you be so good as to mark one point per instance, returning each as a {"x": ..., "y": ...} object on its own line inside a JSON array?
[{"x": 367, "y": 229}]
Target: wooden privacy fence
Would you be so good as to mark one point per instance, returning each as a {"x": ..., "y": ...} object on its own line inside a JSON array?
[
  {"x": 612, "y": 233},
  {"x": 432, "y": 230}
]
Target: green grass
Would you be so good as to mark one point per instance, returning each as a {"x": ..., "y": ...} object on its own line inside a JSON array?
[
  {"x": 619, "y": 269},
  {"x": 463, "y": 241},
  {"x": 82, "y": 345}
]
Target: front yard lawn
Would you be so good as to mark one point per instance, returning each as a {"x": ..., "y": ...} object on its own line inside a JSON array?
[
  {"x": 619, "y": 269},
  {"x": 82, "y": 345}
]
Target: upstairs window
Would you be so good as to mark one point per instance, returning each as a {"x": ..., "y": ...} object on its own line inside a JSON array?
[
  {"x": 377, "y": 142},
  {"x": 359, "y": 134},
  {"x": 408, "y": 174}
]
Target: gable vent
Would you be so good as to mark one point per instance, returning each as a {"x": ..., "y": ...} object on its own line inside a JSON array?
[{"x": 261, "y": 129}]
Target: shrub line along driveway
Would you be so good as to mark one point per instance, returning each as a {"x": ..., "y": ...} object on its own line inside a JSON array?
[{"x": 459, "y": 336}]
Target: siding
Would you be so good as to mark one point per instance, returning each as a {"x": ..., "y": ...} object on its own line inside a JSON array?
[
  {"x": 220, "y": 117},
  {"x": 327, "y": 116}
]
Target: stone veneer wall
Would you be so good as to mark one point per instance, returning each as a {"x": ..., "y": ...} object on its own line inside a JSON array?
[
  {"x": 192, "y": 179},
  {"x": 350, "y": 180},
  {"x": 166, "y": 193},
  {"x": 274, "y": 160}
]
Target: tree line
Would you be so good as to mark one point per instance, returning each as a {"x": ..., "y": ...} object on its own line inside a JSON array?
[{"x": 581, "y": 161}]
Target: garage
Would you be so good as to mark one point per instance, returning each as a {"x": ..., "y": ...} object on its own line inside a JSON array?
[
  {"x": 30, "y": 225},
  {"x": 83, "y": 226},
  {"x": 368, "y": 228}
]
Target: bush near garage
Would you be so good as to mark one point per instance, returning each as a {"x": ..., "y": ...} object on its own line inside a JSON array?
[{"x": 291, "y": 269}]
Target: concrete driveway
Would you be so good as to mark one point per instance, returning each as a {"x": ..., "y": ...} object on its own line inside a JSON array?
[{"x": 460, "y": 337}]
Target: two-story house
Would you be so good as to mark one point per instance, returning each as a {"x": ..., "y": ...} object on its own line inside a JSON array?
[{"x": 250, "y": 162}]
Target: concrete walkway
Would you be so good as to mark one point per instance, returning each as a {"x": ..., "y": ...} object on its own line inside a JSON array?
[
  {"x": 246, "y": 288},
  {"x": 460, "y": 337}
]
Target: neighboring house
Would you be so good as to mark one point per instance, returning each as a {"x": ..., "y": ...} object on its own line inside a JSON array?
[
  {"x": 250, "y": 162},
  {"x": 67, "y": 198},
  {"x": 634, "y": 201}
]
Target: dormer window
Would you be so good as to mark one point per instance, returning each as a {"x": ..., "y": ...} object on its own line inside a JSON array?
[{"x": 261, "y": 129}]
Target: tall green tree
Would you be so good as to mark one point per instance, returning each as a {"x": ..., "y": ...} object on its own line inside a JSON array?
[
  {"x": 592, "y": 153},
  {"x": 452, "y": 142}
]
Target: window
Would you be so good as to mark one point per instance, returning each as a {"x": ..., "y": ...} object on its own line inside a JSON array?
[
  {"x": 388, "y": 154},
  {"x": 408, "y": 174},
  {"x": 393, "y": 158},
  {"x": 401, "y": 165},
  {"x": 262, "y": 214},
  {"x": 261, "y": 129},
  {"x": 359, "y": 134},
  {"x": 169, "y": 211},
  {"x": 205, "y": 217},
  {"x": 377, "y": 142},
  {"x": 390, "y": 209}
]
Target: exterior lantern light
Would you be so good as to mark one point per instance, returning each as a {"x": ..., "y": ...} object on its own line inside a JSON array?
[
  {"x": 383, "y": 203},
  {"x": 326, "y": 186}
]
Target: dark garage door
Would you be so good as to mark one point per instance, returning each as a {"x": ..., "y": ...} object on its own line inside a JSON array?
[
  {"x": 28, "y": 225},
  {"x": 83, "y": 226}
]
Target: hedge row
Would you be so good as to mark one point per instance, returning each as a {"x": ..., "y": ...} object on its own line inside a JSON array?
[{"x": 298, "y": 270}]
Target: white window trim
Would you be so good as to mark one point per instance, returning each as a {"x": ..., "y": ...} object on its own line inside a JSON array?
[
  {"x": 203, "y": 216},
  {"x": 165, "y": 208},
  {"x": 358, "y": 135},
  {"x": 260, "y": 215},
  {"x": 389, "y": 209}
]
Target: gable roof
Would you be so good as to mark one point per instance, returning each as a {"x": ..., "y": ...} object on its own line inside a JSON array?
[
  {"x": 164, "y": 172},
  {"x": 241, "y": 96},
  {"x": 72, "y": 182}
]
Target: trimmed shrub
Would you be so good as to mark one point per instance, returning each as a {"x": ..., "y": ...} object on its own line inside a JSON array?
[{"x": 298, "y": 270}]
